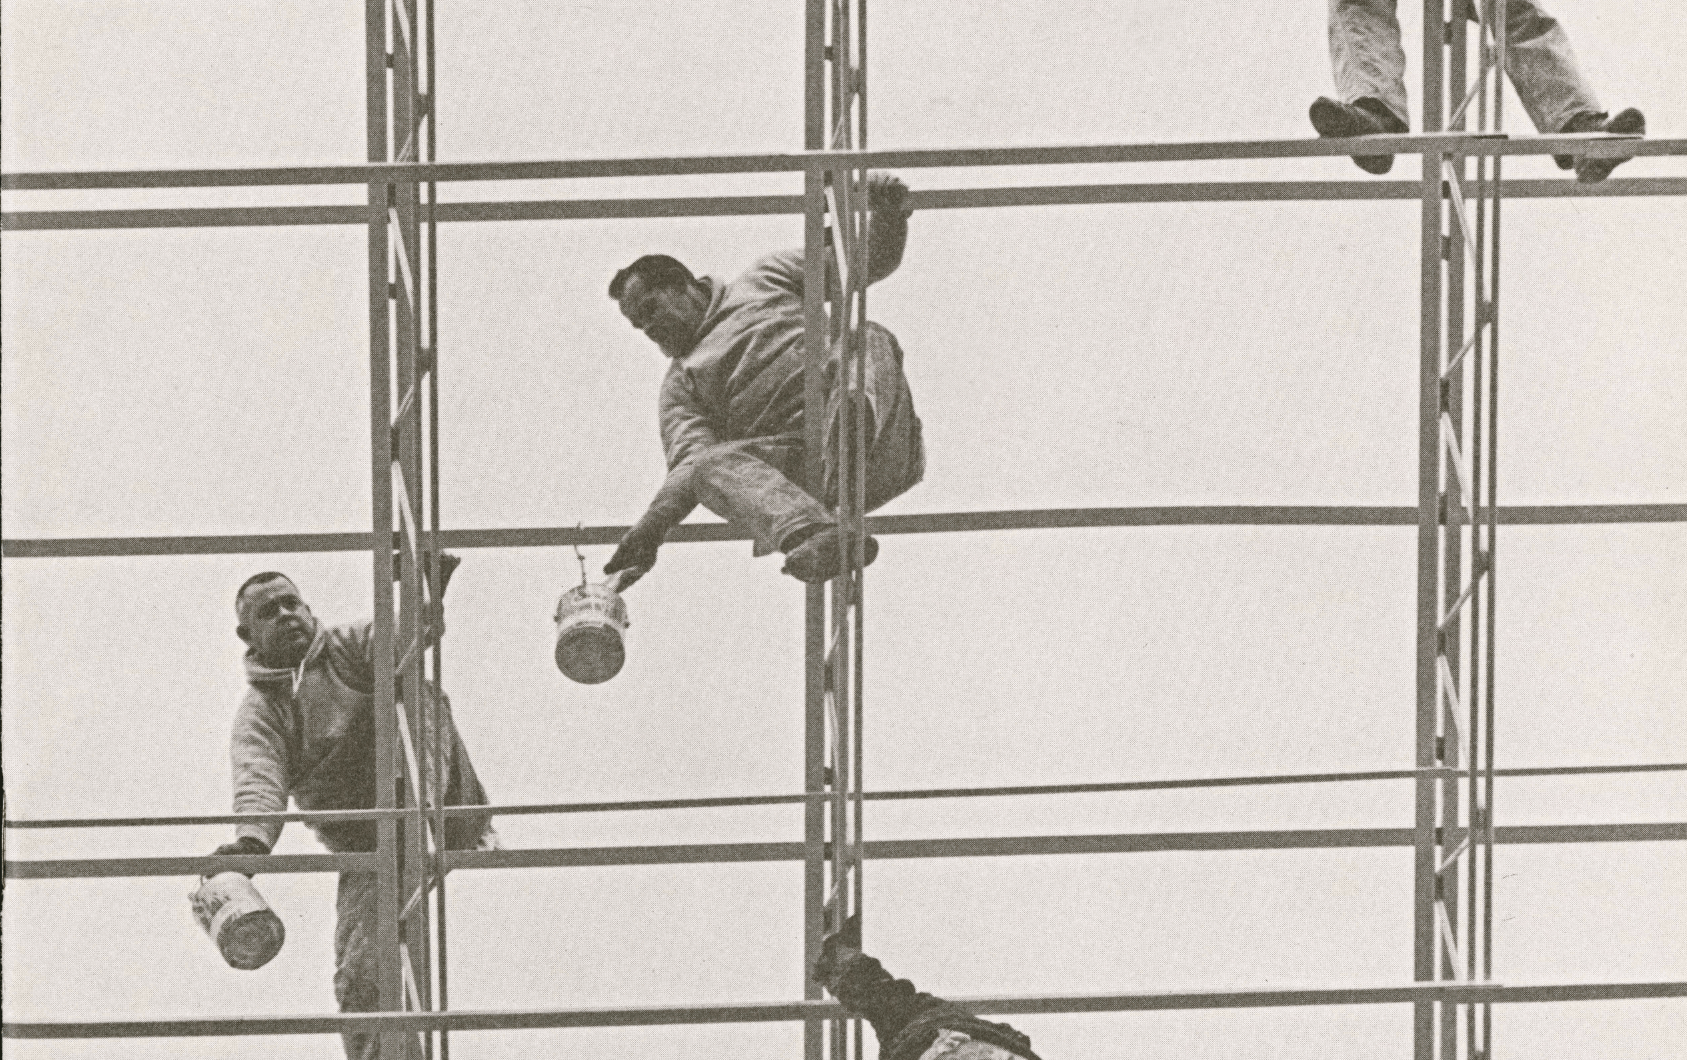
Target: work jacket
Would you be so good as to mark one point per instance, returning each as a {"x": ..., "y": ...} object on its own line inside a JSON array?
[
  {"x": 309, "y": 733},
  {"x": 744, "y": 378}
]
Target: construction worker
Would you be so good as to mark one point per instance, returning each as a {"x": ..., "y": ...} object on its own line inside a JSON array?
[
  {"x": 732, "y": 401},
  {"x": 306, "y": 729},
  {"x": 909, "y": 1025},
  {"x": 1370, "y": 70}
]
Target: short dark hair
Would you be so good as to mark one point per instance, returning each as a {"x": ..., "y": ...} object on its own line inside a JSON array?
[
  {"x": 258, "y": 579},
  {"x": 657, "y": 270}
]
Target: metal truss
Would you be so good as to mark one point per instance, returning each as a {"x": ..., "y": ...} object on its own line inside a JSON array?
[{"x": 1454, "y": 833}]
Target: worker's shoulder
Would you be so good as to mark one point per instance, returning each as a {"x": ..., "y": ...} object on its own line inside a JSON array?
[
  {"x": 259, "y": 704},
  {"x": 780, "y": 272}
]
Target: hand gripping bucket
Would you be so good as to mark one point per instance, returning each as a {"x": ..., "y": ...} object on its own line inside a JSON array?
[
  {"x": 238, "y": 920},
  {"x": 591, "y": 623}
]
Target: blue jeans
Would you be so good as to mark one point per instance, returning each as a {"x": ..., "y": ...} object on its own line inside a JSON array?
[{"x": 1368, "y": 61}]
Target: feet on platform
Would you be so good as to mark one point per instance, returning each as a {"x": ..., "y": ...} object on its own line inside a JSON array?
[
  {"x": 1629, "y": 122},
  {"x": 817, "y": 560},
  {"x": 1335, "y": 120}
]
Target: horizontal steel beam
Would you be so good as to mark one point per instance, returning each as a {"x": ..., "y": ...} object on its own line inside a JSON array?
[
  {"x": 1468, "y": 144},
  {"x": 105, "y": 868},
  {"x": 933, "y": 523},
  {"x": 889, "y": 850},
  {"x": 757, "y": 205},
  {"x": 902, "y": 795},
  {"x": 792, "y": 1011}
]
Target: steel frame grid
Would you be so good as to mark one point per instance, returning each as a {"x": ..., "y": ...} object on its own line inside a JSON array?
[{"x": 396, "y": 177}]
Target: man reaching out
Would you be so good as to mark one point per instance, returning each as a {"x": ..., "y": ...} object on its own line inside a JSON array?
[
  {"x": 732, "y": 401},
  {"x": 306, "y": 730}
]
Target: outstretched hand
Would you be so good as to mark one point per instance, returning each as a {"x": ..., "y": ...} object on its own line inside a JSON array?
[
  {"x": 245, "y": 845},
  {"x": 623, "y": 579},
  {"x": 635, "y": 555}
]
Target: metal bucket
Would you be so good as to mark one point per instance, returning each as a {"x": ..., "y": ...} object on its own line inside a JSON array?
[
  {"x": 591, "y": 623},
  {"x": 238, "y": 920}
]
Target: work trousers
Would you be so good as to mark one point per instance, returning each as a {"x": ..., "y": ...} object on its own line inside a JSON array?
[
  {"x": 1366, "y": 56},
  {"x": 761, "y": 487}
]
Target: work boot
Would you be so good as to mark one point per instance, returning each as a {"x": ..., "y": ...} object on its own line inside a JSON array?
[
  {"x": 817, "y": 559},
  {"x": 1593, "y": 170},
  {"x": 1363, "y": 117}
]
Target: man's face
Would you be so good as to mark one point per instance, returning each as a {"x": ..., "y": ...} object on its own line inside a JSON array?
[
  {"x": 668, "y": 315},
  {"x": 276, "y": 622}
]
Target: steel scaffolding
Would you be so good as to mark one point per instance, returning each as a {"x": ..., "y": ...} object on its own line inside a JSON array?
[{"x": 1457, "y": 517}]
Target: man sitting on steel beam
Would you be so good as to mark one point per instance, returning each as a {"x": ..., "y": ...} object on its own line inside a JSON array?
[
  {"x": 732, "y": 402},
  {"x": 1370, "y": 72},
  {"x": 306, "y": 729},
  {"x": 910, "y": 1025}
]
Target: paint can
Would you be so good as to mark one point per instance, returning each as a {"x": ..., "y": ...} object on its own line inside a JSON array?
[
  {"x": 591, "y": 623},
  {"x": 238, "y": 920}
]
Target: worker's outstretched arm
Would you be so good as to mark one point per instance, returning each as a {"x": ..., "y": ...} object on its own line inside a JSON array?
[
  {"x": 906, "y": 1020},
  {"x": 686, "y": 432},
  {"x": 258, "y": 754},
  {"x": 865, "y": 988}
]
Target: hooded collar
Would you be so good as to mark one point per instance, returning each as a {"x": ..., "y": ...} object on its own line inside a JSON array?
[
  {"x": 711, "y": 315},
  {"x": 259, "y": 675}
]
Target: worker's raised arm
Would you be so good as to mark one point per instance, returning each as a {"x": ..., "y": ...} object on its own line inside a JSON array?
[
  {"x": 783, "y": 273},
  {"x": 262, "y": 771},
  {"x": 887, "y": 224}
]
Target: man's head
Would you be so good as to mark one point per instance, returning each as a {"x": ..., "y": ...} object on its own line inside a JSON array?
[
  {"x": 274, "y": 621},
  {"x": 661, "y": 298}
]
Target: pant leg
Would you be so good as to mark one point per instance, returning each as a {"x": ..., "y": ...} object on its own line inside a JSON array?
[
  {"x": 1365, "y": 53},
  {"x": 356, "y": 984},
  {"x": 1543, "y": 68},
  {"x": 356, "y": 972},
  {"x": 896, "y": 459},
  {"x": 754, "y": 485}
]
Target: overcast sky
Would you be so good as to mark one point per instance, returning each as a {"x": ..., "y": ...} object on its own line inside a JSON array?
[{"x": 215, "y": 381}]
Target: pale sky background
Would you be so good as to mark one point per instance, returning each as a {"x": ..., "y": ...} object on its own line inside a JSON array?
[{"x": 215, "y": 381}]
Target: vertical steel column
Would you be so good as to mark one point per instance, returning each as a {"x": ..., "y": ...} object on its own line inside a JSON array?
[
  {"x": 1482, "y": 705},
  {"x": 846, "y": 199},
  {"x": 407, "y": 484},
  {"x": 408, "y": 755},
  {"x": 814, "y": 613},
  {"x": 439, "y": 750},
  {"x": 1428, "y": 554},
  {"x": 387, "y": 956},
  {"x": 1451, "y": 539},
  {"x": 1464, "y": 480},
  {"x": 835, "y": 314}
]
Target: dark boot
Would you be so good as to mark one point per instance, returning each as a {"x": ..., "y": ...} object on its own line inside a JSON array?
[
  {"x": 1593, "y": 170},
  {"x": 817, "y": 559},
  {"x": 1363, "y": 117}
]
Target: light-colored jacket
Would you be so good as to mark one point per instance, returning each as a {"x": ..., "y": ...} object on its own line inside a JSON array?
[{"x": 309, "y": 733}]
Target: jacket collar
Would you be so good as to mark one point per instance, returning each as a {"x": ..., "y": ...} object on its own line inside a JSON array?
[{"x": 259, "y": 675}]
